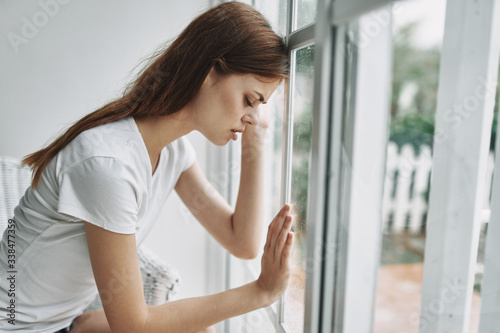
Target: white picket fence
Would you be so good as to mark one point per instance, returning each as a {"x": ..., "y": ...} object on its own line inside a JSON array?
[{"x": 407, "y": 180}]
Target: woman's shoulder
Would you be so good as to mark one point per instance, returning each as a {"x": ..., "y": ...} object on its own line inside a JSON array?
[{"x": 113, "y": 141}]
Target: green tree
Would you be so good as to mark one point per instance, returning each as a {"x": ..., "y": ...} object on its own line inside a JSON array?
[
  {"x": 414, "y": 123},
  {"x": 414, "y": 66}
]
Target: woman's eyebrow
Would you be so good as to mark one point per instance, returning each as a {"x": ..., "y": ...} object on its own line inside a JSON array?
[{"x": 261, "y": 97}]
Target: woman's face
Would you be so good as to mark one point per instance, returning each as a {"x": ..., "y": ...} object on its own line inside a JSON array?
[{"x": 227, "y": 104}]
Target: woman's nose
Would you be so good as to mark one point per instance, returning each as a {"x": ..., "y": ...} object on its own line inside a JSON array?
[{"x": 251, "y": 118}]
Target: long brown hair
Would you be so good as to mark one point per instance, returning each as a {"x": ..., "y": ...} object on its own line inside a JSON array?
[{"x": 231, "y": 37}]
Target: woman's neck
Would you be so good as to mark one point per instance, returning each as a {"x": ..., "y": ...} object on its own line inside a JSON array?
[{"x": 158, "y": 132}]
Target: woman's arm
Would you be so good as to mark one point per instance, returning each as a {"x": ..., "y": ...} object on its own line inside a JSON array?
[
  {"x": 248, "y": 217},
  {"x": 240, "y": 231},
  {"x": 116, "y": 271}
]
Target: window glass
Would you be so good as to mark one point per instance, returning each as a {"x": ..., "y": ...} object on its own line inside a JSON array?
[
  {"x": 305, "y": 13},
  {"x": 300, "y": 161},
  {"x": 275, "y": 12}
]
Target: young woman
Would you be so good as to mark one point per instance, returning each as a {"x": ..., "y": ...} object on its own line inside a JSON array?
[{"x": 98, "y": 188}]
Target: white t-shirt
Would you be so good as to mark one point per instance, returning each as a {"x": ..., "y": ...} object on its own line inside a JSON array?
[{"x": 103, "y": 176}]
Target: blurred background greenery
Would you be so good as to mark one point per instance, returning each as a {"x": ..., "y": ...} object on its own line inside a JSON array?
[{"x": 414, "y": 92}]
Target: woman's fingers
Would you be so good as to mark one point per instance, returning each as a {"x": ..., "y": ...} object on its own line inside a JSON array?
[
  {"x": 267, "y": 246},
  {"x": 272, "y": 227},
  {"x": 286, "y": 257},
  {"x": 281, "y": 239},
  {"x": 278, "y": 225},
  {"x": 276, "y": 262}
]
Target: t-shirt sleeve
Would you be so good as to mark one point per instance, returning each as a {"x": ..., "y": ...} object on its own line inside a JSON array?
[
  {"x": 189, "y": 154},
  {"x": 102, "y": 191}
]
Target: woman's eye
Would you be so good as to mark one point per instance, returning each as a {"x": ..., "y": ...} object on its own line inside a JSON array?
[{"x": 248, "y": 103}]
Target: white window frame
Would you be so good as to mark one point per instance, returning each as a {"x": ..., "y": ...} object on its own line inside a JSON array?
[
  {"x": 469, "y": 57},
  {"x": 338, "y": 209}
]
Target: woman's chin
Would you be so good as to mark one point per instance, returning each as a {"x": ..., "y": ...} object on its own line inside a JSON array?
[{"x": 220, "y": 142}]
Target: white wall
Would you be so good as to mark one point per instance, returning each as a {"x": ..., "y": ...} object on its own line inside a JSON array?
[{"x": 61, "y": 59}]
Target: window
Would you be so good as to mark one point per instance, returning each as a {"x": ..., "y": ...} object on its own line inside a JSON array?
[
  {"x": 329, "y": 153},
  {"x": 306, "y": 13},
  {"x": 288, "y": 160},
  {"x": 294, "y": 302}
]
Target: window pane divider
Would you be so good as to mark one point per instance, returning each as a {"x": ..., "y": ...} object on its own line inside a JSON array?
[
  {"x": 301, "y": 38},
  {"x": 318, "y": 171},
  {"x": 286, "y": 164},
  {"x": 334, "y": 187},
  {"x": 363, "y": 160}
]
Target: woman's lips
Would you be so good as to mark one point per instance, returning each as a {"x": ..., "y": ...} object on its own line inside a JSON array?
[{"x": 234, "y": 131}]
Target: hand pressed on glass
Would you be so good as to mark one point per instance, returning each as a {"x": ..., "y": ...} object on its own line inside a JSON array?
[{"x": 277, "y": 260}]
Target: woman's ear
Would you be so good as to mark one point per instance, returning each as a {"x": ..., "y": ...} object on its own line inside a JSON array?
[{"x": 211, "y": 77}]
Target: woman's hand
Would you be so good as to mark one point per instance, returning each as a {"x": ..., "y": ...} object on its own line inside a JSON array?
[
  {"x": 277, "y": 260},
  {"x": 264, "y": 117},
  {"x": 258, "y": 131}
]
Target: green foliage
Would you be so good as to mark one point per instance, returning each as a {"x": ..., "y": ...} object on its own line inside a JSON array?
[
  {"x": 413, "y": 129},
  {"x": 414, "y": 67},
  {"x": 418, "y": 68},
  {"x": 418, "y": 129}
]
